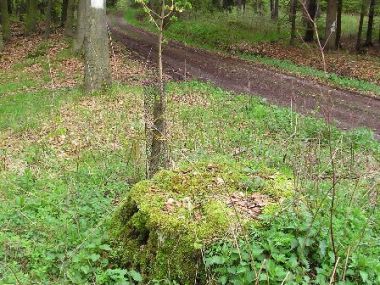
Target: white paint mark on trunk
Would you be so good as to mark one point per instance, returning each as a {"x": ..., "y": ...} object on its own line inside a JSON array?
[{"x": 97, "y": 4}]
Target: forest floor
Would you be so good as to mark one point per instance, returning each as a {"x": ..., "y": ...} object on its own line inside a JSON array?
[
  {"x": 347, "y": 108},
  {"x": 68, "y": 159}
]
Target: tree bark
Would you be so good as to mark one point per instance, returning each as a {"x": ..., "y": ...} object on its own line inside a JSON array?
[
  {"x": 275, "y": 9},
  {"x": 312, "y": 12},
  {"x": 159, "y": 151},
  {"x": 293, "y": 16},
  {"x": 69, "y": 24},
  {"x": 371, "y": 16},
  {"x": 31, "y": 17},
  {"x": 1, "y": 39},
  {"x": 5, "y": 19},
  {"x": 260, "y": 8},
  {"x": 10, "y": 7},
  {"x": 330, "y": 32},
  {"x": 360, "y": 30},
  {"x": 81, "y": 26},
  {"x": 48, "y": 18},
  {"x": 271, "y": 7},
  {"x": 239, "y": 4},
  {"x": 97, "y": 75},
  {"x": 64, "y": 12},
  {"x": 339, "y": 24}
]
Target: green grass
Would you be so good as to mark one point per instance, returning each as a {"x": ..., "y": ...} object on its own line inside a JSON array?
[
  {"x": 69, "y": 160},
  {"x": 27, "y": 109},
  {"x": 56, "y": 198},
  {"x": 217, "y": 32}
]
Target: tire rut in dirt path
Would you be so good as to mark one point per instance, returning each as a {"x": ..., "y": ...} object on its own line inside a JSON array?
[{"x": 348, "y": 109}]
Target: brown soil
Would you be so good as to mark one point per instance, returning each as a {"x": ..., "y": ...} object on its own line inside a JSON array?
[{"x": 348, "y": 109}]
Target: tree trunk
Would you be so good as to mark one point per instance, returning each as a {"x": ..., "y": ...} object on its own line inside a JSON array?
[
  {"x": 48, "y": 18},
  {"x": 69, "y": 24},
  {"x": 4, "y": 19},
  {"x": 271, "y": 7},
  {"x": 97, "y": 75},
  {"x": 31, "y": 17},
  {"x": 10, "y": 7},
  {"x": 360, "y": 30},
  {"x": 159, "y": 151},
  {"x": 293, "y": 16},
  {"x": 311, "y": 12},
  {"x": 330, "y": 32},
  {"x": 339, "y": 24},
  {"x": 275, "y": 10},
  {"x": 260, "y": 8},
  {"x": 239, "y": 4},
  {"x": 371, "y": 16},
  {"x": 64, "y": 12},
  {"x": 1, "y": 39},
  {"x": 81, "y": 26}
]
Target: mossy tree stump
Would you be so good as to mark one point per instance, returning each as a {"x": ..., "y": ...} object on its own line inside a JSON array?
[{"x": 163, "y": 224}]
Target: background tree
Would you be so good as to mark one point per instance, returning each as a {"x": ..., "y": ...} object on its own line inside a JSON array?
[
  {"x": 361, "y": 22},
  {"x": 97, "y": 73},
  {"x": 371, "y": 16},
  {"x": 1, "y": 39},
  {"x": 81, "y": 26},
  {"x": 69, "y": 23},
  {"x": 330, "y": 31},
  {"x": 48, "y": 18},
  {"x": 311, "y": 12},
  {"x": 4, "y": 19},
  {"x": 339, "y": 24},
  {"x": 64, "y": 12},
  {"x": 31, "y": 16},
  {"x": 293, "y": 16},
  {"x": 274, "y": 11}
]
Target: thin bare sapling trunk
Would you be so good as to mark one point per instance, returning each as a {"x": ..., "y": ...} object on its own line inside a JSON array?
[{"x": 157, "y": 150}]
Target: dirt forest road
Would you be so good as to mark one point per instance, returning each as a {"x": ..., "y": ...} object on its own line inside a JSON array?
[{"x": 348, "y": 109}]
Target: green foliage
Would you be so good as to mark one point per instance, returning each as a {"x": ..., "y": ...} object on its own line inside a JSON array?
[
  {"x": 294, "y": 246},
  {"x": 53, "y": 220}
]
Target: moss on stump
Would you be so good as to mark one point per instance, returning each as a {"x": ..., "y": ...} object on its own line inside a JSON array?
[{"x": 163, "y": 223}]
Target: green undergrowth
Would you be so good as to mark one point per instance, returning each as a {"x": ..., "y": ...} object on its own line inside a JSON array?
[
  {"x": 67, "y": 162},
  {"x": 218, "y": 32},
  {"x": 164, "y": 223},
  {"x": 294, "y": 243}
]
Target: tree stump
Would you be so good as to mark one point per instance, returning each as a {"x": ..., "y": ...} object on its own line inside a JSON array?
[{"x": 164, "y": 223}]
